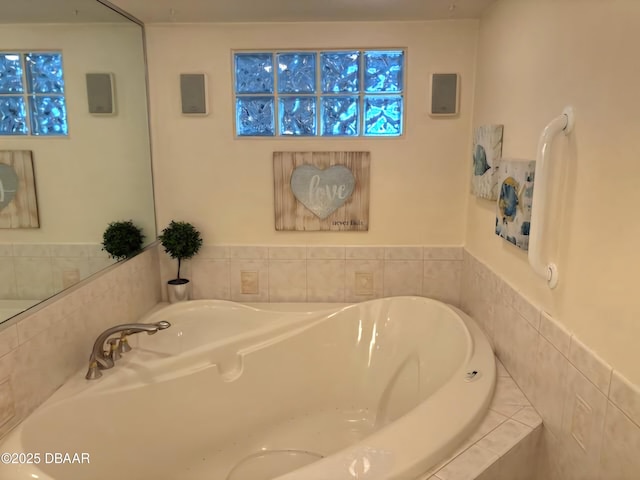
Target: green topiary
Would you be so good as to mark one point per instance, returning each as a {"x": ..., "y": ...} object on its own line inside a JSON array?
[
  {"x": 180, "y": 240},
  {"x": 122, "y": 239}
]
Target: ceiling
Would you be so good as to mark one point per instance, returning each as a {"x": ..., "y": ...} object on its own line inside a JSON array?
[
  {"x": 57, "y": 11},
  {"x": 161, "y": 11}
]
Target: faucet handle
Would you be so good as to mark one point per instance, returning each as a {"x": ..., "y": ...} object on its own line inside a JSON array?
[
  {"x": 123, "y": 346},
  {"x": 114, "y": 353}
]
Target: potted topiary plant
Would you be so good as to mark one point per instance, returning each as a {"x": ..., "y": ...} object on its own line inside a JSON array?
[
  {"x": 122, "y": 239},
  {"x": 181, "y": 241}
]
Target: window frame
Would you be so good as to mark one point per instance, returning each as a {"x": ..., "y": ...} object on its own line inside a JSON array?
[
  {"x": 318, "y": 95},
  {"x": 25, "y": 94}
]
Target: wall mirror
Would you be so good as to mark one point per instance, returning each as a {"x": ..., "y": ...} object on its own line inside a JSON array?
[{"x": 96, "y": 171}]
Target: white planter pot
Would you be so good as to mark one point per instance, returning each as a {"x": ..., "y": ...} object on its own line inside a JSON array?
[{"x": 178, "y": 290}]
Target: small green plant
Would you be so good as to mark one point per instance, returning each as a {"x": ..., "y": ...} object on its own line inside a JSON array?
[
  {"x": 122, "y": 239},
  {"x": 180, "y": 240}
]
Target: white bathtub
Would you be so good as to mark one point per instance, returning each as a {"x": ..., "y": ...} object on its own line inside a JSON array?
[{"x": 376, "y": 390}]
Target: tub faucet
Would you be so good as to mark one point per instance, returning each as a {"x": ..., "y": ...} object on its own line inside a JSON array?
[{"x": 103, "y": 360}]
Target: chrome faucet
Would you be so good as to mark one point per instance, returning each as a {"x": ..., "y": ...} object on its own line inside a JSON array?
[{"x": 103, "y": 360}]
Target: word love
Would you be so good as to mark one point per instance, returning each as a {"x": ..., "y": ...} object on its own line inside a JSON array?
[{"x": 322, "y": 191}]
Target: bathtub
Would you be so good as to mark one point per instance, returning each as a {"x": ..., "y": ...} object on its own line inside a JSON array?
[{"x": 380, "y": 390}]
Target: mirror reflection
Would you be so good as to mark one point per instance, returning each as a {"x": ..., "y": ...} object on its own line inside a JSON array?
[{"x": 74, "y": 143}]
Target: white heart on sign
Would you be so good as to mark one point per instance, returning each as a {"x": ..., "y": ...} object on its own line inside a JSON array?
[
  {"x": 322, "y": 191},
  {"x": 8, "y": 184}
]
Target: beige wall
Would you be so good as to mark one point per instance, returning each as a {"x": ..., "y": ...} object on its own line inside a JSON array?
[
  {"x": 225, "y": 186},
  {"x": 534, "y": 58},
  {"x": 101, "y": 171}
]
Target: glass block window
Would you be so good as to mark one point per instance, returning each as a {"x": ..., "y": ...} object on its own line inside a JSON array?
[
  {"x": 329, "y": 93},
  {"x": 32, "y": 100}
]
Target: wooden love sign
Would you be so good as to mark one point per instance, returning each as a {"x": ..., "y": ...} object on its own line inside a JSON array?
[{"x": 321, "y": 190}]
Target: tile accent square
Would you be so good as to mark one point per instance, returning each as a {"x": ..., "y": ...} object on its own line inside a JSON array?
[
  {"x": 261, "y": 268},
  {"x": 373, "y": 267},
  {"x": 364, "y": 283},
  {"x": 249, "y": 283}
]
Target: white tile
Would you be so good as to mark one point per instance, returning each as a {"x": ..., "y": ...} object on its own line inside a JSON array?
[
  {"x": 527, "y": 310},
  {"x": 8, "y": 339},
  {"x": 325, "y": 280},
  {"x": 556, "y": 333},
  {"x": 31, "y": 250},
  {"x": 505, "y": 437},
  {"x": 69, "y": 250},
  {"x": 354, "y": 268},
  {"x": 403, "y": 253},
  {"x": 529, "y": 417},
  {"x": 218, "y": 252},
  {"x": 248, "y": 252},
  {"x": 34, "y": 277},
  {"x": 442, "y": 280},
  {"x": 443, "y": 253},
  {"x": 6, "y": 250},
  {"x": 403, "y": 277},
  {"x": 508, "y": 398},
  {"x": 590, "y": 364},
  {"x": 550, "y": 384},
  {"x": 262, "y": 269},
  {"x": 626, "y": 396},
  {"x": 500, "y": 370},
  {"x": 8, "y": 276},
  {"x": 326, "y": 253},
  {"x": 522, "y": 348},
  {"x": 489, "y": 423},
  {"x": 7, "y": 405},
  {"x": 32, "y": 325},
  {"x": 210, "y": 279},
  {"x": 468, "y": 465},
  {"x": 67, "y": 271},
  {"x": 288, "y": 253},
  {"x": 287, "y": 281},
  {"x": 621, "y": 447},
  {"x": 582, "y": 427},
  {"x": 361, "y": 252}
]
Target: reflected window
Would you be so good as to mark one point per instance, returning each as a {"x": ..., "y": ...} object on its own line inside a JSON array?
[
  {"x": 32, "y": 94},
  {"x": 329, "y": 93}
]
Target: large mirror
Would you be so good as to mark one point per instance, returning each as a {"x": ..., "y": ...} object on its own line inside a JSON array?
[{"x": 63, "y": 183}]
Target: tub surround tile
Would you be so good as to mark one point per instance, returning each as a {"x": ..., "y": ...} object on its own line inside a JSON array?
[
  {"x": 364, "y": 253},
  {"x": 500, "y": 370},
  {"x": 553, "y": 331},
  {"x": 288, "y": 253},
  {"x": 583, "y": 419},
  {"x": 583, "y": 402},
  {"x": 443, "y": 253},
  {"x": 326, "y": 253},
  {"x": 441, "y": 280},
  {"x": 6, "y": 250},
  {"x": 259, "y": 267},
  {"x": 210, "y": 279},
  {"x": 529, "y": 417},
  {"x": 325, "y": 280},
  {"x": 403, "y": 277},
  {"x": 528, "y": 311},
  {"x": 357, "y": 276},
  {"x": 621, "y": 444},
  {"x": 518, "y": 463},
  {"x": 508, "y": 399},
  {"x": 287, "y": 281},
  {"x": 80, "y": 250},
  {"x": 625, "y": 396},
  {"x": 8, "y": 339},
  {"x": 550, "y": 379},
  {"x": 490, "y": 422},
  {"x": 34, "y": 277},
  {"x": 503, "y": 438},
  {"x": 403, "y": 253},
  {"x": 468, "y": 465},
  {"x": 7, "y": 406},
  {"x": 8, "y": 275},
  {"x": 217, "y": 252},
  {"x": 31, "y": 250},
  {"x": 590, "y": 364},
  {"x": 248, "y": 252},
  {"x": 46, "y": 345}
]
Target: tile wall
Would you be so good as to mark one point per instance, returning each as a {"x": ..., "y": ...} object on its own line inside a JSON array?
[
  {"x": 320, "y": 274},
  {"x": 34, "y": 271},
  {"x": 591, "y": 413},
  {"x": 42, "y": 348}
]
